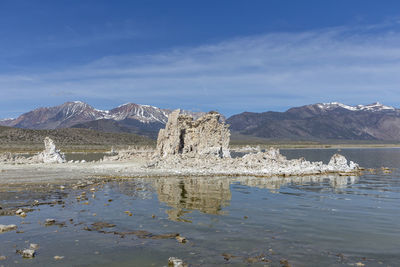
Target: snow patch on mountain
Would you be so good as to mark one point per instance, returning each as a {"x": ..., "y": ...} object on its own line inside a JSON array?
[{"x": 371, "y": 107}]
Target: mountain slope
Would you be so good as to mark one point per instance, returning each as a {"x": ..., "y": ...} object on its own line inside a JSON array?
[
  {"x": 149, "y": 129},
  {"x": 83, "y": 138},
  {"x": 129, "y": 118},
  {"x": 322, "y": 121}
]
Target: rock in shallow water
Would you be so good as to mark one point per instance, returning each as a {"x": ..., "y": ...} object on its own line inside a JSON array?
[
  {"x": 175, "y": 262},
  {"x": 7, "y": 228},
  {"x": 27, "y": 253}
]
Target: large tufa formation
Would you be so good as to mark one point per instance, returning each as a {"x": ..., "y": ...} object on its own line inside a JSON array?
[
  {"x": 202, "y": 137},
  {"x": 51, "y": 154}
]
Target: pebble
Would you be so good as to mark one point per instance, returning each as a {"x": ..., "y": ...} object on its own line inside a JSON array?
[
  {"x": 19, "y": 211},
  {"x": 58, "y": 258}
]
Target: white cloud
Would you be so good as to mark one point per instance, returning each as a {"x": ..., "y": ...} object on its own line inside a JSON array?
[{"x": 254, "y": 73}]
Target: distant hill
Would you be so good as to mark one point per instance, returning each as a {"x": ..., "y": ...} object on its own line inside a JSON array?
[
  {"x": 149, "y": 129},
  {"x": 84, "y": 138},
  {"x": 322, "y": 121}
]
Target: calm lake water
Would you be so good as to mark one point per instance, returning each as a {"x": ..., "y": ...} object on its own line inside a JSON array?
[{"x": 239, "y": 221}]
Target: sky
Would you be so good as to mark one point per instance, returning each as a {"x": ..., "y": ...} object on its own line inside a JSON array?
[{"x": 230, "y": 56}]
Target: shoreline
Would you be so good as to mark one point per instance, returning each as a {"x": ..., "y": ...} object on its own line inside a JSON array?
[
  {"x": 70, "y": 173},
  {"x": 37, "y": 148}
]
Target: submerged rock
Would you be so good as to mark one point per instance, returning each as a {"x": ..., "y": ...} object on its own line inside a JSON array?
[
  {"x": 181, "y": 239},
  {"x": 49, "y": 222},
  {"x": 34, "y": 246},
  {"x": 202, "y": 137}
]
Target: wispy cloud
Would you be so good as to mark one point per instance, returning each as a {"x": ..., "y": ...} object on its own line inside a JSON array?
[{"x": 255, "y": 73}]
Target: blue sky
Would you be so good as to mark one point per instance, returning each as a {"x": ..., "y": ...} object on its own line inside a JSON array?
[{"x": 230, "y": 56}]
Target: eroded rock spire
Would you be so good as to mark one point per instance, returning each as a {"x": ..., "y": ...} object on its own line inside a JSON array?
[{"x": 202, "y": 137}]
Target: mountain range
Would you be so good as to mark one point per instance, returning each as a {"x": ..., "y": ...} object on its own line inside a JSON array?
[
  {"x": 321, "y": 121},
  {"x": 128, "y": 118}
]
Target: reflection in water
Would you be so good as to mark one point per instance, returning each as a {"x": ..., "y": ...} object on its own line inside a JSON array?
[
  {"x": 139, "y": 188},
  {"x": 211, "y": 195},
  {"x": 208, "y": 195},
  {"x": 274, "y": 183}
]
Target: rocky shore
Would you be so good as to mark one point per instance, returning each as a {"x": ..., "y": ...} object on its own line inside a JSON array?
[{"x": 186, "y": 147}]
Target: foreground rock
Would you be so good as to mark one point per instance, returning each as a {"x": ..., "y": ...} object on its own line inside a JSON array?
[
  {"x": 202, "y": 137},
  {"x": 51, "y": 154}
]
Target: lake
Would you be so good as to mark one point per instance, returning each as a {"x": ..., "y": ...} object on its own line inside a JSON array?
[{"x": 235, "y": 221}]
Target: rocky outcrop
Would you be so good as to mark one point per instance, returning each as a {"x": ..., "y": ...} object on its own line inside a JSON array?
[
  {"x": 269, "y": 163},
  {"x": 185, "y": 146},
  {"x": 202, "y": 137},
  {"x": 51, "y": 154}
]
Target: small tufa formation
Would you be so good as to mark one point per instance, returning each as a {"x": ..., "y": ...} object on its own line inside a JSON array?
[
  {"x": 339, "y": 162},
  {"x": 51, "y": 154},
  {"x": 202, "y": 137}
]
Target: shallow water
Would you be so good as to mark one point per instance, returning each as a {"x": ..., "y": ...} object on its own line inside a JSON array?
[{"x": 309, "y": 221}]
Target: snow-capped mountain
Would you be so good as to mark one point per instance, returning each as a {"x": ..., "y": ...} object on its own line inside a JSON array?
[
  {"x": 142, "y": 113},
  {"x": 322, "y": 121},
  {"x": 70, "y": 114}
]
